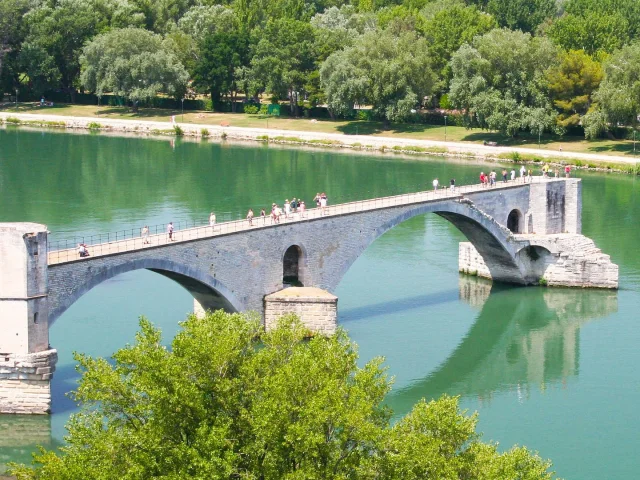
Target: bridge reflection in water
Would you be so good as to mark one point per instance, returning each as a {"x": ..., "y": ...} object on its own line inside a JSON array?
[
  {"x": 19, "y": 433},
  {"x": 523, "y": 338}
]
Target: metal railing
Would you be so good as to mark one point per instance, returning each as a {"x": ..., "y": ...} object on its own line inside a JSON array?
[{"x": 66, "y": 250}]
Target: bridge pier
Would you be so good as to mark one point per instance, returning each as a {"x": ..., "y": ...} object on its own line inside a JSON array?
[
  {"x": 26, "y": 361},
  {"x": 562, "y": 260}
]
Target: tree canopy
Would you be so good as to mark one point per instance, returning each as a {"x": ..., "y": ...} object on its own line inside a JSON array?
[
  {"x": 618, "y": 97},
  {"x": 304, "y": 52},
  {"x": 228, "y": 400},
  {"x": 391, "y": 73},
  {"x": 132, "y": 63},
  {"x": 498, "y": 81}
]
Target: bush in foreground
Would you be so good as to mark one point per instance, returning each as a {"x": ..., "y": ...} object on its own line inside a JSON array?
[{"x": 229, "y": 401}]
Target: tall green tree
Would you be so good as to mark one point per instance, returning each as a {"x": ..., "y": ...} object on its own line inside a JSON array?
[
  {"x": 132, "y": 63},
  {"x": 523, "y": 15},
  {"x": 222, "y": 55},
  {"x": 390, "y": 72},
  {"x": 618, "y": 98},
  {"x": 448, "y": 25},
  {"x": 284, "y": 58},
  {"x": 57, "y": 31},
  {"x": 595, "y": 33},
  {"x": 499, "y": 82},
  {"x": 229, "y": 401},
  {"x": 11, "y": 28},
  {"x": 571, "y": 85}
]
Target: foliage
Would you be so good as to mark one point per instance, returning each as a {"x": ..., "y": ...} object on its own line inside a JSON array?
[
  {"x": 618, "y": 98},
  {"x": 284, "y": 58},
  {"x": 132, "y": 63},
  {"x": 11, "y": 28},
  {"x": 391, "y": 73},
  {"x": 251, "y": 109},
  {"x": 222, "y": 54},
  {"x": 228, "y": 400},
  {"x": 448, "y": 25},
  {"x": 595, "y": 33},
  {"x": 498, "y": 82},
  {"x": 524, "y": 15},
  {"x": 571, "y": 85},
  {"x": 57, "y": 31}
]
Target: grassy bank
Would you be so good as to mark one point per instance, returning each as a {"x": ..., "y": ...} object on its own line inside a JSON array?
[{"x": 351, "y": 127}]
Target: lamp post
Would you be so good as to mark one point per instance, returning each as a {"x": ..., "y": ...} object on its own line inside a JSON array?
[
  {"x": 182, "y": 101},
  {"x": 539, "y": 132},
  {"x": 445, "y": 128},
  {"x": 16, "y": 98}
]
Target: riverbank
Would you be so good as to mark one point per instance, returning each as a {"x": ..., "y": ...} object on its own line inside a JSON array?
[{"x": 311, "y": 137}]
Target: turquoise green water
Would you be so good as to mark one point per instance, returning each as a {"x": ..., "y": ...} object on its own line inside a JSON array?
[{"x": 553, "y": 369}]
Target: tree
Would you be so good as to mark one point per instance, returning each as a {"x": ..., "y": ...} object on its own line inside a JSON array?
[
  {"x": 201, "y": 21},
  {"x": 391, "y": 73},
  {"x": 222, "y": 54},
  {"x": 449, "y": 24},
  {"x": 594, "y": 33},
  {"x": 57, "y": 31},
  {"x": 228, "y": 400},
  {"x": 571, "y": 85},
  {"x": 284, "y": 57},
  {"x": 132, "y": 63},
  {"x": 523, "y": 15},
  {"x": 498, "y": 82},
  {"x": 11, "y": 13},
  {"x": 618, "y": 98}
]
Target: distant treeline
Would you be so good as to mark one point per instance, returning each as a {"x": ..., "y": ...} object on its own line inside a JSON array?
[{"x": 504, "y": 65}]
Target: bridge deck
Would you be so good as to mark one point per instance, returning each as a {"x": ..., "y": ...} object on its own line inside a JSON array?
[{"x": 224, "y": 228}]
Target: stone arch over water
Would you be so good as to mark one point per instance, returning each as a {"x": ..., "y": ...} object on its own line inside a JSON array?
[
  {"x": 492, "y": 240},
  {"x": 205, "y": 289}
]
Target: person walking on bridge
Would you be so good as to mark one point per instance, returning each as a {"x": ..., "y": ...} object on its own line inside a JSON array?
[
  {"x": 435, "y": 184},
  {"x": 170, "y": 231},
  {"x": 145, "y": 235},
  {"x": 250, "y": 217},
  {"x": 212, "y": 219}
]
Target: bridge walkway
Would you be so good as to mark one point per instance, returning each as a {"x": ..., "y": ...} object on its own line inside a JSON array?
[{"x": 224, "y": 228}]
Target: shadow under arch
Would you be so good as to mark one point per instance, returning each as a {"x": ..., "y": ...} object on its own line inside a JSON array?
[
  {"x": 491, "y": 240},
  {"x": 522, "y": 337},
  {"x": 208, "y": 291}
]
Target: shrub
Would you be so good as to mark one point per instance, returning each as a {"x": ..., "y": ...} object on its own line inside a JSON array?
[
  {"x": 13, "y": 120},
  {"x": 94, "y": 126},
  {"x": 177, "y": 129},
  {"x": 204, "y": 132},
  {"x": 251, "y": 109}
]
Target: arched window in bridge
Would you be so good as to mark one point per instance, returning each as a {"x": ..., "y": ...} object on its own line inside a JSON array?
[
  {"x": 291, "y": 267},
  {"x": 515, "y": 221}
]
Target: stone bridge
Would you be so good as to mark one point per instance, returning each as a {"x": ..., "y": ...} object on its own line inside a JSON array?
[{"x": 522, "y": 233}]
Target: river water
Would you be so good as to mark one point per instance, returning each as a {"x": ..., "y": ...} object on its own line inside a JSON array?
[{"x": 553, "y": 369}]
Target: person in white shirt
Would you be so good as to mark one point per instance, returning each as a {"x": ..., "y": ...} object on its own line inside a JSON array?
[{"x": 435, "y": 184}]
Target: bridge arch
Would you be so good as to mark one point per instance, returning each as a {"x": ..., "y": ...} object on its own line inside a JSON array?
[
  {"x": 515, "y": 221},
  {"x": 205, "y": 289},
  {"x": 293, "y": 265},
  {"x": 491, "y": 240}
]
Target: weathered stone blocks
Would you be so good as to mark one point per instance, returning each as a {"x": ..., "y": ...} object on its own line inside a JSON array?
[
  {"x": 316, "y": 308},
  {"x": 25, "y": 382}
]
